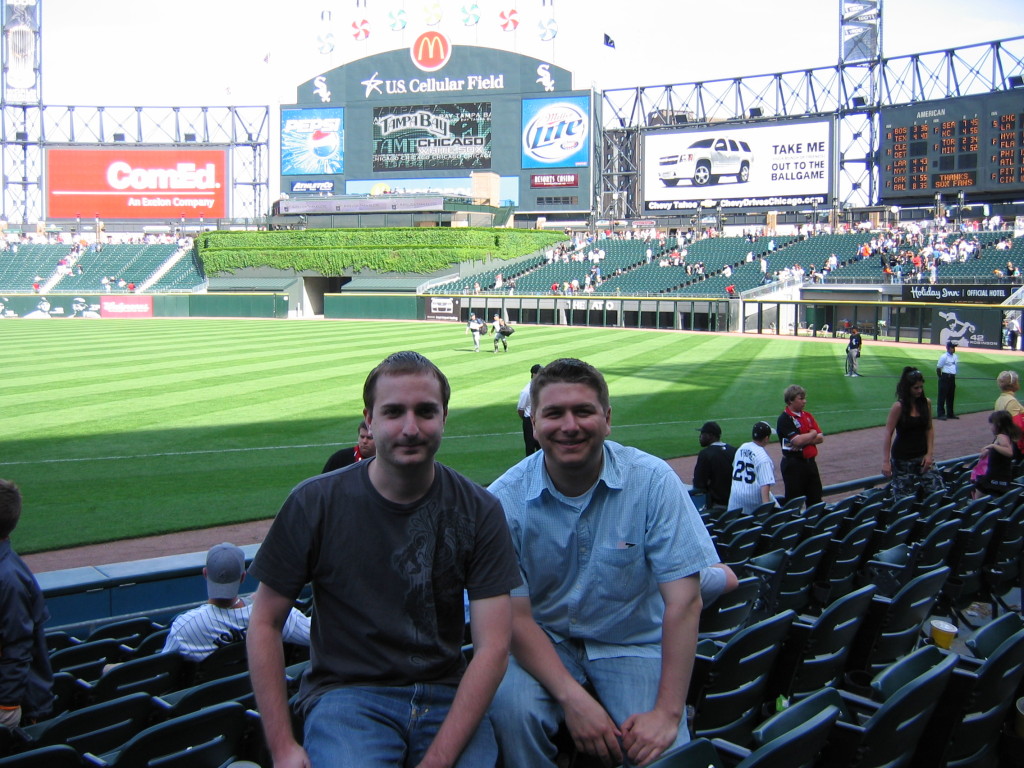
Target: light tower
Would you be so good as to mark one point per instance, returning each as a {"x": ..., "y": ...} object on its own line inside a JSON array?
[
  {"x": 21, "y": 100},
  {"x": 860, "y": 59}
]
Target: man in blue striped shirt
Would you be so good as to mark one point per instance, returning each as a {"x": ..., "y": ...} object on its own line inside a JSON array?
[{"x": 610, "y": 547}]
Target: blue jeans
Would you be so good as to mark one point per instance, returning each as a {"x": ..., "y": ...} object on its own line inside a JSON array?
[
  {"x": 368, "y": 726},
  {"x": 526, "y": 718}
]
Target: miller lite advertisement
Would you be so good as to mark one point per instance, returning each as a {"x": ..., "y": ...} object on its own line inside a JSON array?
[
  {"x": 312, "y": 141},
  {"x": 127, "y": 183},
  {"x": 556, "y": 132},
  {"x": 438, "y": 136}
]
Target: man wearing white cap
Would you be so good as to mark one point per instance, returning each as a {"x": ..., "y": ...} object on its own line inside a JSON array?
[{"x": 224, "y": 618}]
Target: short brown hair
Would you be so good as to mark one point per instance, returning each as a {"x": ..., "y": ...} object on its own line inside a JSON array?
[
  {"x": 793, "y": 391},
  {"x": 10, "y": 507},
  {"x": 404, "y": 364},
  {"x": 571, "y": 371}
]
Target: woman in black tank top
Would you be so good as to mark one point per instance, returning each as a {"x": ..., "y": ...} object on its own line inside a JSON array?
[{"x": 908, "y": 458}]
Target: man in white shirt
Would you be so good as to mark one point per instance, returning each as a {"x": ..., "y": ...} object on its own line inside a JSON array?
[
  {"x": 524, "y": 410},
  {"x": 224, "y": 618},
  {"x": 946, "y": 371},
  {"x": 753, "y": 471}
]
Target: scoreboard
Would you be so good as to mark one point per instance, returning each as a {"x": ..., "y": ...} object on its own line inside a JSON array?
[{"x": 973, "y": 144}]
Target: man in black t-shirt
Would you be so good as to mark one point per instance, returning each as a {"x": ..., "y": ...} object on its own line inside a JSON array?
[
  {"x": 712, "y": 475},
  {"x": 389, "y": 545},
  {"x": 363, "y": 449}
]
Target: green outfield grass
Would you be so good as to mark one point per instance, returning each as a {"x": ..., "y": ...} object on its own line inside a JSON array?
[{"x": 117, "y": 429}]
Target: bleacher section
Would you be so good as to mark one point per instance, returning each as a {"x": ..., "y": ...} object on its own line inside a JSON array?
[
  {"x": 185, "y": 275},
  {"x": 20, "y": 268},
  {"x": 637, "y": 277},
  {"x": 133, "y": 263},
  {"x": 487, "y": 279}
]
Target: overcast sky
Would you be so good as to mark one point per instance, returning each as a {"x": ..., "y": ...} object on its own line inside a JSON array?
[{"x": 253, "y": 52}]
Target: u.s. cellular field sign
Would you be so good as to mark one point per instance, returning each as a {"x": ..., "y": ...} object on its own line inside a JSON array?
[{"x": 422, "y": 118}]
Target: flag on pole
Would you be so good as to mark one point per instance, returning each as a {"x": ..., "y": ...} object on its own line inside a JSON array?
[{"x": 608, "y": 41}]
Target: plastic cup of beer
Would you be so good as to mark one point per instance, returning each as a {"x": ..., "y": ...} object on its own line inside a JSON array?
[{"x": 943, "y": 633}]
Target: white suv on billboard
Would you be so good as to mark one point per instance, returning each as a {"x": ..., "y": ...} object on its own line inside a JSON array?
[{"x": 705, "y": 160}]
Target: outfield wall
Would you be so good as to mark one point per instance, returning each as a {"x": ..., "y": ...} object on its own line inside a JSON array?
[
  {"x": 975, "y": 326},
  {"x": 596, "y": 311},
  {"x": 131, "y": 305},
  {"x": 967, "y": 324}
]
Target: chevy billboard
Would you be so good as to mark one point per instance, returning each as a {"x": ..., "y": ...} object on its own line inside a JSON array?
[
  {"x": 128, "y": 183},
  {"x": 784, "y": 164}
]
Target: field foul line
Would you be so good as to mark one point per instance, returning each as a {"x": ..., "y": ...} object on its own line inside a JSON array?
[{"x": 251, "y": 449}]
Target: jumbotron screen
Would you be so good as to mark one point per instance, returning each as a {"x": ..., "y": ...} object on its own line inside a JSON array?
[{"x": 973, "y": 144}]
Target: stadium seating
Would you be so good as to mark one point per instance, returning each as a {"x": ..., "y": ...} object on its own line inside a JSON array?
[
  {"x": 892, "y": 625},
  {"x": 731, "y": 612},
  {"x": 872, "y": 733},
  {"x": 98, "y": 728},
  {"x": 54, "y": 756},
  {"x": 730, "y": 680},
  {"x": 859, "y": 619},
  {"x": 154, "y": 674},
  {"x": 697, "y": 753},
  {"x": 793, "y": 738},
  {"x": 208, "y": 738},
  {"x": 975, "y": 705},
  {"x": 132, "y": 262},
  {"x": 815, "y": 653}
]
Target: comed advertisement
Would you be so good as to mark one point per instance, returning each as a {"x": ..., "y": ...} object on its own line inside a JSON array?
[{"x": 128, "y": 183}]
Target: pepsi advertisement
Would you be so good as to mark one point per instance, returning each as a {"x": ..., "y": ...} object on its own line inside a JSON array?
[
  {"x": 435, "y": 136},
  {"x": 312, "y": 141},
  {"x": 556, "y": 132}
]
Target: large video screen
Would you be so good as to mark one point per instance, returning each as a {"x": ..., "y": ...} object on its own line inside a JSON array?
[
  {"x": 782, "y": 164},
  {"x": 969, "y": 144},
  {"x": 432, "y": 136},
  {"x": 434, "y": 117},
  {"x": 129, "y": 183},
  {"x": 312, "y": 141}
]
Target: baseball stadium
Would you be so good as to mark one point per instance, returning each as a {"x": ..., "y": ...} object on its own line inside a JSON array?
[{"x": 235, "y": 274}]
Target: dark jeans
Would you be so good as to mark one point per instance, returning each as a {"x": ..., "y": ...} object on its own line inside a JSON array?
[
  {"x": 801, "y": 478},
  {"x": 947, "y": 390},
  {"x": 532, "y": 446}
]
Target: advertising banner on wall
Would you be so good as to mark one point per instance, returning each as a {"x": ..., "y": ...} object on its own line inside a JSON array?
[
  {"x": 129, "y": 183},
  {"x": 432, "y": 136},
  {"x": 312, "y": 141},
  {"x": 76, "y": 307},
  {"x": 959, "y": 294},
  {"x": 974, "y": 327},
  {"x": 443, "y": 308},
  {"x": 778, "y": 165},
  {"x": 556, "y": 132}
]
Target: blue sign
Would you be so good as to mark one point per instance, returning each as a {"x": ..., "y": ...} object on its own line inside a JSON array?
[
  {"x": 556, "y": 132},
  {"x": 312, "y": 141},
  {"x": 313, "y": 187}
]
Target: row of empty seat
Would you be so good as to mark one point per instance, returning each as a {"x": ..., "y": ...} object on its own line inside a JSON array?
[{"x": 825, "y": 630}]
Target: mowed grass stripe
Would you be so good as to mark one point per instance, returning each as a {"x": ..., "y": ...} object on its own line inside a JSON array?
[{"x": 215, "y": 420}]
